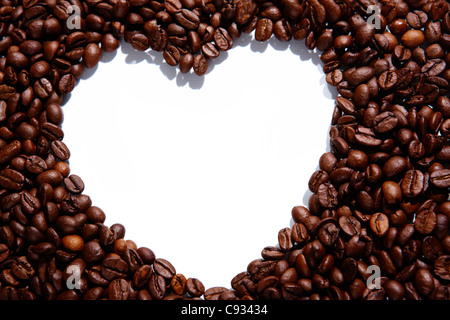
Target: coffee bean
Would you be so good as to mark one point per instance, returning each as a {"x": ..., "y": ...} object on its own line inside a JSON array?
[
  {"x": 29, "y": 203},
  {"x": 194, "y": 287},
  {"x": 413, "y": 183},
  {"x": 92, "y": 252},
  {"x": 157, "y": 37},
  {"x": 92, "y": 55},
  {"x": 11, "y": 179},
  {"x": 222, "y": 39},
  {"x": 392, "y": 192},
  {"x": 22, "y": 269},
  {"x": 282, "y": 30},
  {"x": 379, "y": 224},
  {"x": 284, "y": 239},
  {"x": 66, "y": 84},
  {"x": 142, "y": 276},
  {"x": 441, "y": 267},
  {"x": 264, "y": 29},
  {"x": 157, "y": 287},
  {"x": 178, "y": 284},
  {"x": 51, "y": 131},
  {"x": 73, "y": 243},
  {"x": 146, "y": 254},
  {"x": 210, "y": 51},
  {"x": 317, "y": 178},
  {"x": 425, "y": 222},
  {"x": 327, "y": 195},
  {"x": 424, "y": 282},
  {"x": 118, "y": 289},
  {"x": 360, "y": 75},
  {"x": 187, "y": 19},
  {"x": 172, "y": 55},
  {"x": 164, "y": 268},
  {"x": 379, "y": 197},
  {"x": 60, "y": 150},
  {"x": 40, "y": 69},
  {"x": 8, "y": 152},
  {"x": 200, "y": 65},
  {"x": 385, "y": 122},
  {"x": 42, "y": 88},
  {"x": 140, "y": 42},
  {"x": 350, "y": 225},
  {"x": 388, "y": 80},
  {"x": 186, "y": 63},
  {"x": 328, "y": 233},
  {"x": 440, "y": 178},
  {"x": 113, "y": 267}
]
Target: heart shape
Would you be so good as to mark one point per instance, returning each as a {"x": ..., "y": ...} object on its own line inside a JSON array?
[
  {"x": 377, "y": 221},
  {"x": 246, "y": 167}
]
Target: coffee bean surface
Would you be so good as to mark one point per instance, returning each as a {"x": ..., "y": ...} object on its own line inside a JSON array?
[{"x": 380, "y": 197}]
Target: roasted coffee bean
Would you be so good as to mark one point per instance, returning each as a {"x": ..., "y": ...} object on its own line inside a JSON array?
[
  {"x": 194, "y": 287},
  {"x": 424, "y": 282},
  {"x": 264, "y": 29},
  {"x": 140, "y": 42},
  {"x": 157, "y": 36},
  {"x": 327, "y": 195},
  {"x": 172, "y": 55},
  {"x": 210, "y": 51},
  {"x": 392, "y": 192},
  {"x": 388, "y": 80},
  {"x": 92, "y": 252},
  {"x": 157, "y": 287},
  {"x": 113, "y": 267},
  {"x": 142, "y": 276},
  {"x": 30, "y": 204},
  {"x": 51, "y": 131},
  {"x": 222, "y": 39},
  {"x": 284, "y": 239},
  {"x": 440, "y": 178},
  {"x": 4, "y": 252},
  {"x": 42, "y": 88},
  {"x": 11, "y": 179},
  {"x": 66, "y": 83},
  {"x": 317, "y": 178},
  {"x": 200, "y": 65},
  {"x": 282, "y": 30},
  {"x": 73, "y": 243},
  {"x": 146, "y": 255},
  {"x": 273, "y": 253},
  {"x": 385, "y": 122},
  {"x": 359, "y": 75},
  {"x": 425, "y": 222},
  {"x": 22, "y": 269},
  {"x": 118, "y": 289},
  {"x": 164, "y": 268},
  {"x": 60, "y": 150},
  {"x": 328, "y": 233},
  {"x": 441, "y": 267},
  {"x": 8, "y": 152},
  {"x": 350, "y": 225},
  {"x": 188, "y": 19},
  {"x": 74, "y": 184},
  {"x": 178, "y": 284},
  {"x": 379, "y": 224},
  {"x": 379, "y": 196},
  {"x": 92, "y": 55}
]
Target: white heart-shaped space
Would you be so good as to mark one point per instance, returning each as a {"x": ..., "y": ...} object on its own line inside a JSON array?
[{"x": 202, "y": 170}]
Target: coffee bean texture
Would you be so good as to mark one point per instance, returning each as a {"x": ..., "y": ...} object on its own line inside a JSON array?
[{"x": 380, "y": 195}]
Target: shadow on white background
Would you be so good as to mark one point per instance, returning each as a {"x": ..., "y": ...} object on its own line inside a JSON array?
[{"x": 202, "y": 170}]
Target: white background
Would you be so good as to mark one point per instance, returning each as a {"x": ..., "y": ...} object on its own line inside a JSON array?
[{"x": 202, "y": 170}]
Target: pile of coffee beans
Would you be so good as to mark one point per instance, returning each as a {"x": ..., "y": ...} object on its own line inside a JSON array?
[{"x": 377, "y": 222}]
